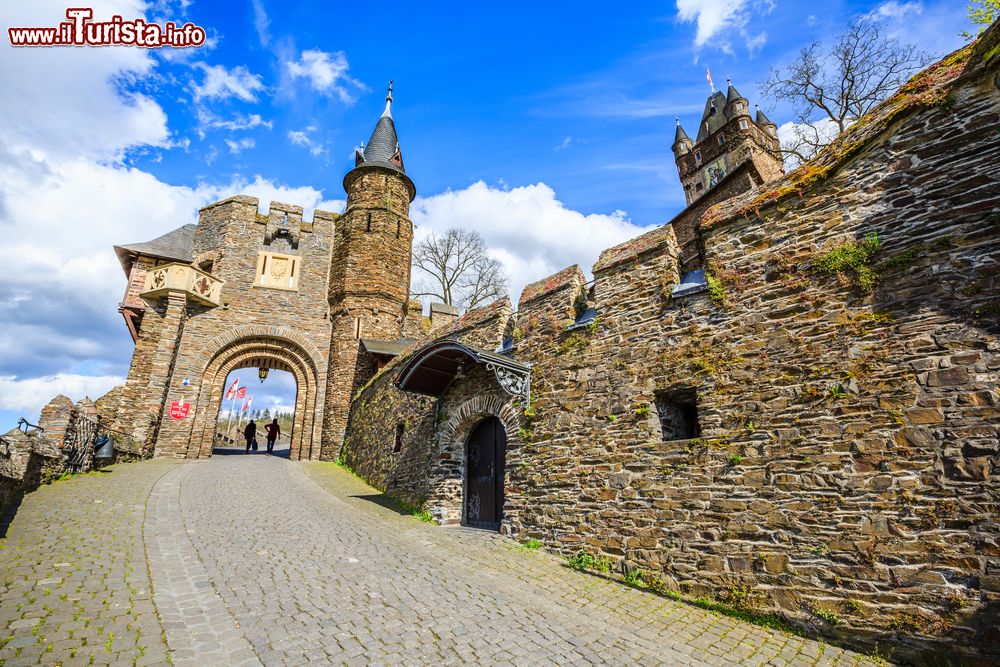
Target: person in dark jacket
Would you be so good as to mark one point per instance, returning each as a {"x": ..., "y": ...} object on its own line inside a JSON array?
[
  {"x": 273, "y": 431},
  {"x": 250, "y": 433}
]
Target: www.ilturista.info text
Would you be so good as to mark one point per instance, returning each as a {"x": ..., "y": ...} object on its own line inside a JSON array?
[{"x": 80, "y": 30}]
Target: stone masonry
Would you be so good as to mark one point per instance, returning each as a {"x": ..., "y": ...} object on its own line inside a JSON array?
[{"x": 837, "y": 376}]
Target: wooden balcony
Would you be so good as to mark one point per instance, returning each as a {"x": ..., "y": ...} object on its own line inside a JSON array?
[{"x": 178, "y": 277}]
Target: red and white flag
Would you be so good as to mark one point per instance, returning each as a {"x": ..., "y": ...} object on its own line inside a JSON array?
[
  {"x": 708, "y": 75},
  {"x": 241, "y": 392},
  {"x": 231, "y": 392},
  {"x": 246, "y": 406}
]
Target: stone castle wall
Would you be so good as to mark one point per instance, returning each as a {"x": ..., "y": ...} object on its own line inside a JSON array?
[{"x": 844, "y": 368}]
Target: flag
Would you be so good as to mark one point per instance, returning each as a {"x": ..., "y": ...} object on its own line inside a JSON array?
[
  {"x": 231, "y": 392},
  {"x": 708, "y": 75},
  {"x": 246, "y": 405},
  {"x": 241, "y": 392}
]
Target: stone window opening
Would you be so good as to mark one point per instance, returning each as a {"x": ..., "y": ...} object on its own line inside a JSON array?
[
  {"x": 697, "y": 156},
  {"x": 698, "y": 186},
  {"x": 400, "y": 430},
  {"x": 743, "y": 124},
  {"x": 369, "y": 222},
  {"x": 677, "y": 411},
  {"x": 722, "y": 140}
]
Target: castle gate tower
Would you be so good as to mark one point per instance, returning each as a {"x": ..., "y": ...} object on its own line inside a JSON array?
[{"x": 370, "y": 270}]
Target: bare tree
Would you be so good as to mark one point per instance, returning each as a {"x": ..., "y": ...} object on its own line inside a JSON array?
[
  {"x": 831, "y": 90},
  {"x": 456, "y": 269}
]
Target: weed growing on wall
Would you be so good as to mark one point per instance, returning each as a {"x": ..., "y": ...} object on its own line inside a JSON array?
[{"x": 854, "y": 261}]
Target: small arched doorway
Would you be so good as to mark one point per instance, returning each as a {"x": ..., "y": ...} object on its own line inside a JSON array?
[{"x": 485, "y": 452}]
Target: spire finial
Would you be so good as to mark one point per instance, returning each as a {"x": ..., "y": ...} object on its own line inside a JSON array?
[
  {"x": 388, "y": 101},
  {"x": 678, "y": 120}
]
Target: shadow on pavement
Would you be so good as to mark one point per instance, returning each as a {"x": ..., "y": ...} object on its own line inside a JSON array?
[
  {"x": 241, "y": 451},
  {"x": 8, "y": 514},
  {"x": 386, "y": 501}
]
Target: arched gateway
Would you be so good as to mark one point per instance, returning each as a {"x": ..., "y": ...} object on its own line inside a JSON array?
[{"x": 273, "y": 348}]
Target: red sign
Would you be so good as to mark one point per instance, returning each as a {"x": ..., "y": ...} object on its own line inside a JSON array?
[{"x": 179, "y": 409}]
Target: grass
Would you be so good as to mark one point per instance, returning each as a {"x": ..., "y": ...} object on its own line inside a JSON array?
[
  {"x": 414, "y": 510},
  {"x": 716, "y": 292},
  {"x": 531, "y": 545},
  {"x": 828, "y": 616},
  {"x": 853, "y": 260}
]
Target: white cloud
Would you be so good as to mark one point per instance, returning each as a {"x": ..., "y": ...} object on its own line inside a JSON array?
[
  {"x": 717, "y": 20},
  {"x": 326, "y": 73},
  {"x": 80, "y": 110},
  {"x": 221, "y": 83},
  {"x": 791, "y": 134},
  {"x": 302, "y": 138},
  {"x": 711, "y": 16},
  {"x": 261, "y": 23},
  {"x": 565, "y": 143},
  {"x": 756, "y": 43},
  {"x": 238, "y": 122},
  {"x": 895, "y": 9},
  {"x": 30, "y": 395},
  {"x": 240, "y": 145},
  {"x": 527, "y": 228}
]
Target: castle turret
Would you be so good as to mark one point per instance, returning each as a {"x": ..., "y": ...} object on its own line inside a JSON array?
[
  {"x": 727, "y": 139},
  {"x": 765, "y": 123},
  {"x": 682, "y": 142},
  {"x": 736, "y": 104},
  {"x": 370, "y": 269}
]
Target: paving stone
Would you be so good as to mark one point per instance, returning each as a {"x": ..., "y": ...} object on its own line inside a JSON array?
[{"x": 251, "y": 562}]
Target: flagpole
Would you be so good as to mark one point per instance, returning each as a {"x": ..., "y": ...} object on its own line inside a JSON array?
[{"x": 232, "y": 405}]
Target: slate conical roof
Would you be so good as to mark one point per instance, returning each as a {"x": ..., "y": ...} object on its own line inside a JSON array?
[
  {"x": 761, "y": 119},
  {"x": 382, "y": 149},
  {"x": 732, "y": 94},
  {"x": 383, "y": 145},
  {"x": 680, "y": 135}
]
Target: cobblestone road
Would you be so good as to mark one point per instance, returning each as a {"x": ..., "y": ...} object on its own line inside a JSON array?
[{"x": 255, "y": 560}]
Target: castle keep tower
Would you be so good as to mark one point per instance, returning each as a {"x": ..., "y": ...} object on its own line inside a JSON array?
[
  {"x": 727, "y": 138},
  {"x": 370, "y": 270}
]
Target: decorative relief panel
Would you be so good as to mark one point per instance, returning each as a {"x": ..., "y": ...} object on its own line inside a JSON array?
[{"x": 278, "y": 271}]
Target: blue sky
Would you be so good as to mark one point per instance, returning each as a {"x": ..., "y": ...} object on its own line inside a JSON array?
[{"x": 544, "y": 126}]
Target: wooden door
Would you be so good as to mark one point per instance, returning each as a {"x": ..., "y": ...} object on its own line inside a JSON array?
[{"x": 484, "y": 474}]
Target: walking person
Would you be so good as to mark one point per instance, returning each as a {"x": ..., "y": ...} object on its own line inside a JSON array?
[
  {"x": 250, "y": 433},
  {"x": 273, "y": 431}
]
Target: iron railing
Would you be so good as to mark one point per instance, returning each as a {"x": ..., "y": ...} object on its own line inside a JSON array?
[
  {"x": 23, "y": 424},
  {"x": 79, "y": 443}
]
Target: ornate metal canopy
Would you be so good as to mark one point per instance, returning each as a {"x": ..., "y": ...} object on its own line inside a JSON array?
[{"x": 434, "y": 367}]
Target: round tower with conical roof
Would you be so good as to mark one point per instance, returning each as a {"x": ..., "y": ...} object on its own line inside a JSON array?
[
  {"x": 736, "y": 104},
  {"x": 369, "y": 270},
  {"x": 682, "y": 142}
]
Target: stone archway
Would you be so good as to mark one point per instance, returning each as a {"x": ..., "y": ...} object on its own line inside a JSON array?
[
  {"x": 448, "y": 474},
  {"x": 274, "y": 347}
]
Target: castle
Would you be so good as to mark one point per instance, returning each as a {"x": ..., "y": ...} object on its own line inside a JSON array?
[{"x": 785, "y": 398}]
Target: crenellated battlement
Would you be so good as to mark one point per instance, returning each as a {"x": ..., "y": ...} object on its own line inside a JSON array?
[{"x": 275, "y": 208}]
